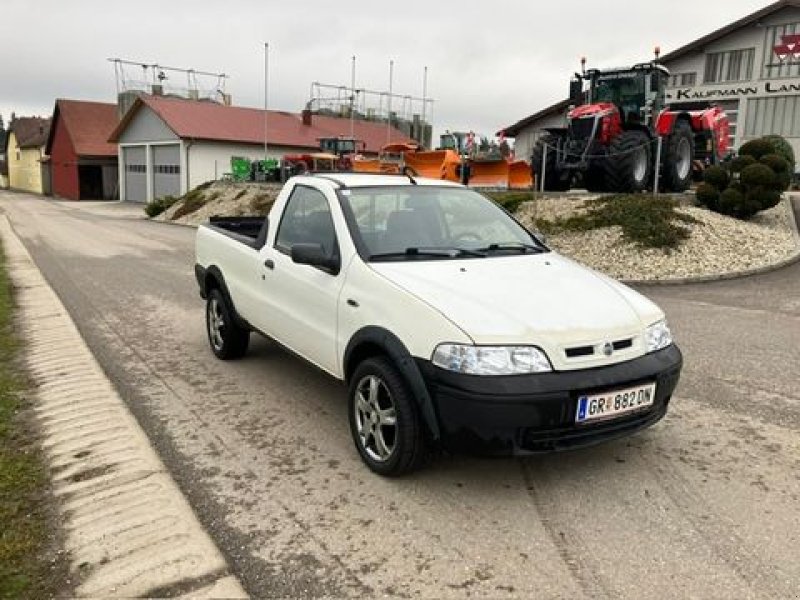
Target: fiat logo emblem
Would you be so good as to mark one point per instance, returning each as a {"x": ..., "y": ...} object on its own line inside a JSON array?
[{"x": 608, "y": 348}]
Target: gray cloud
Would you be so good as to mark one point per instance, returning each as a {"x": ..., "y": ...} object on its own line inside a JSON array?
[{"x": 490, "y": 63}]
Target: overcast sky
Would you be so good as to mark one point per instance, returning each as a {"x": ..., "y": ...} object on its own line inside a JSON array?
[{"x": 490, "y": 63}]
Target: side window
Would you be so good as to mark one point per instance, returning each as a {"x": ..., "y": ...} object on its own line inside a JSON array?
[{"x": 307, "y": 220}]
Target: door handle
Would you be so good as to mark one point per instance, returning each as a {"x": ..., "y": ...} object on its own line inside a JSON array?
[{"x": 269, "y": 263}]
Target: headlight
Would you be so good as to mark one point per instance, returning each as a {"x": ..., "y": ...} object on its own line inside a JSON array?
[
  {"x": 658, "y": 336},
  {"x": 491, "y": 360}
]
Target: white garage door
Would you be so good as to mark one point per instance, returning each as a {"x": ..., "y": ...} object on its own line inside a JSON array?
[
  {"x": 134, "y": 160},
  {"x": 166, "y": 170}
]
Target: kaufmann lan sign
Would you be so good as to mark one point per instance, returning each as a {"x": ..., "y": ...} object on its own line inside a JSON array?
[
  {"x": 763, "y": 88},
  {"x": 787, "y": 52}
]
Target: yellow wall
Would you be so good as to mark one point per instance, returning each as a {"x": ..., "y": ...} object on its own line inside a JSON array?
[{"x": 24, "y": 168}]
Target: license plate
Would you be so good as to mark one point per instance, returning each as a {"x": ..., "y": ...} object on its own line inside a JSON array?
[{"x": 597, "y": 407}]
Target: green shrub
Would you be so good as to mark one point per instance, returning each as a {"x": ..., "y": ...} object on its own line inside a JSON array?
[
  {"x": 645, "y": 221},
  {"x": 511, "y": 201},
  {"x": 765, "y": 198},
  {"x": 757, "y": 175},
  {"x": 717, "y": 176},
  {"x": 756, "y": 148},
  {"x": 159, "y": 205},
  {"x": 731, "y": 202},
  {"x": 740, "y": 163},
  {"x": 775, "y": 162},
  {"x": 783, "y": 149},
  {"x": 708, "y": 195}
]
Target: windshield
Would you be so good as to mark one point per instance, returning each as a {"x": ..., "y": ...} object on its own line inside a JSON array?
[
  {"x": 400, "y": 223},
  {"x": 624, "y": 90}
]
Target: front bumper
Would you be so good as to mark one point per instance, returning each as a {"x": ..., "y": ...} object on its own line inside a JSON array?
[{"x": 536, "y": 413}]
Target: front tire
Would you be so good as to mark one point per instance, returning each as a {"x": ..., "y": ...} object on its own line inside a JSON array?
[
  {"x": 629, "y": 166},
  {"x": 555, "y": 181},
  {"x": 384, "y": 419},
  {"x": 227, "y": 339},
  {"x": 678, "y": 157}
]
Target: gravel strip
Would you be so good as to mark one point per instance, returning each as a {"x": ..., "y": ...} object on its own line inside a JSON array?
[{"x": 718, "y": 245}]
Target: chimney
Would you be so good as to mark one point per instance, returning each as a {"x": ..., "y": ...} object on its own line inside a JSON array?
[{"x": 306, "y": 116}]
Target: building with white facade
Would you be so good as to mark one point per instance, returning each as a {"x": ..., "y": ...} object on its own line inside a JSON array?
[{"x": 751, "y": 68}]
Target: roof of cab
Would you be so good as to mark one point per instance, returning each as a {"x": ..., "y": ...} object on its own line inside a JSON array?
[{"x": 356, "y": 180}]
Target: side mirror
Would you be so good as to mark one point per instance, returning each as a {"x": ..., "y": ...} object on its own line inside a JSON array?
[
  {"x": 314, "y": 255},
  {"x": 576, "y": 92}
]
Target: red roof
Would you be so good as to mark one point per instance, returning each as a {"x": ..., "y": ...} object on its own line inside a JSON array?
[
  {"x": 89, "y": 125},
  {"x": 210, "y": 121}
]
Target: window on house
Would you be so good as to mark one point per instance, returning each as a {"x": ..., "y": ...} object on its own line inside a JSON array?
[
  {"x": 735, "y": 65},
  {"x": 682, "y": 80}
]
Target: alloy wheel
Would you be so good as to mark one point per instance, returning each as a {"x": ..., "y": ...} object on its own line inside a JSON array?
[{"x": 375, "y": 418}]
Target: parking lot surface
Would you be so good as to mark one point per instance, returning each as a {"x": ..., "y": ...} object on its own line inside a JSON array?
[{"x": 704, "y": 504}]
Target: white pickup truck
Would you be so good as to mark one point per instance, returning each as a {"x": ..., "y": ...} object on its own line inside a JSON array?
[{"x": 452, "y": 325}]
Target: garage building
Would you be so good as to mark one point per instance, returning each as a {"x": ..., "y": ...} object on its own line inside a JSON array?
[
  {"x": 751, "y": 68},
  {"x": 83, "y": 163},
  {"x": 167, "y": 146}
]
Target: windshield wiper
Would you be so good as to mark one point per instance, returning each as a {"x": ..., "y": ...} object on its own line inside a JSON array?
[
  {"x": 436, "y": 251},
  {"x": 518, "y": 246}
]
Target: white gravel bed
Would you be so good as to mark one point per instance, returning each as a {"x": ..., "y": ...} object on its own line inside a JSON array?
[
  {"x": 717, "y": 245},
  {"x": 230, "y": 200}
]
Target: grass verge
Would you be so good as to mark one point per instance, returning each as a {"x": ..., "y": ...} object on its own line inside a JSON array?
[
  {"x": 27, "y": 532},
  {"x": 645, "y": 221}
]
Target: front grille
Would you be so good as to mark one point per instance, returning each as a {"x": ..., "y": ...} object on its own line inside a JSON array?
[
  {"x": 579, "y": 351},
  {"x": 581, "y": 129}
]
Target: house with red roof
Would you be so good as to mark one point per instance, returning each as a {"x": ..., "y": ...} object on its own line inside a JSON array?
[
  {"x": 83, "y": 163},
  {"x": 167, "y": 146}
]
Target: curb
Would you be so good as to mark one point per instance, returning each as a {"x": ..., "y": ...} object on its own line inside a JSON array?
[
  {"x": 785, "y": 262},
  {"x": 129, "y": 531}
]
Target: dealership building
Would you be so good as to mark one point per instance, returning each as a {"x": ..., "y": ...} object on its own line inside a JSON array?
[{"x": 751, "y": 68}]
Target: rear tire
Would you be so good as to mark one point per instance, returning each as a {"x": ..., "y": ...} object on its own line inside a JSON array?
[
  {"x": 227, "y": 339},
  {"x": 384, "y": 419},
  {"x": 555, "y": 181},
  {"x": 629, "y": 166},
  {"x": 678, "y": 157}
]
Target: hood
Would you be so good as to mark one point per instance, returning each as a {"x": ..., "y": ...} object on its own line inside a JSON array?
[
  {"x": 545, "y": 300},
  {"x": 590, "y": 110}
]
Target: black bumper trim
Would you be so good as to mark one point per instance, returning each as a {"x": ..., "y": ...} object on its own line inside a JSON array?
[{"x": 536, "y": 413}]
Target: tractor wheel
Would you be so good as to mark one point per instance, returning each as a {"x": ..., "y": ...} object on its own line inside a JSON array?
[
  {"x": 555, "y": 181},
  {"x": 629, "y": 166},
  {"x": 595, "y": 179},
  {"x": 678, "y": 152}
]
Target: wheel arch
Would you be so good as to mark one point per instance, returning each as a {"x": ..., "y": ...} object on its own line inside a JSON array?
[
  {"x": 213, "y": 279},
  {"x": 376, "y": 341}
]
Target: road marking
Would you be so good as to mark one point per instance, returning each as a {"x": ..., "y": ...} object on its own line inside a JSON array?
[{"x": 129, "y": 530}]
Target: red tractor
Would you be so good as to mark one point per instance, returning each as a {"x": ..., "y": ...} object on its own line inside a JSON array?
[{"x": 610, "y": 142}]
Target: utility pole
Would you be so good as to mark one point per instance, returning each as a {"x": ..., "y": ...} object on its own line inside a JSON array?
[
  {"x": 389, "y": 116},
  {"x": 424, "y": 102},
  {"x": 353, "y": 99},
  {"x": 266, "y": 98}
]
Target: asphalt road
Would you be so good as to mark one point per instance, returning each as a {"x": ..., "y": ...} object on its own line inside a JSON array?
[{"x": 705, "y": 504}]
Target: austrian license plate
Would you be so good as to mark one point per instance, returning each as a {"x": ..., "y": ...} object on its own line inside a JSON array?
[{"x": 608, "y": 405}]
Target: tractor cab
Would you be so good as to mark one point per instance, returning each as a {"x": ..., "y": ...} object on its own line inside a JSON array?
[
  {"x": 637, "y": 93},
  {"x": 340, "y": 146}
]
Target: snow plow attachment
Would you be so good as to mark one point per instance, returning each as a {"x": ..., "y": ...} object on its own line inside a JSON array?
[
  {"x": 367, "y": 165},
  {"x": 520, "y": 176},
  {"x": 436, "y": 164},
  {"x": 493, "y": 174}
]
